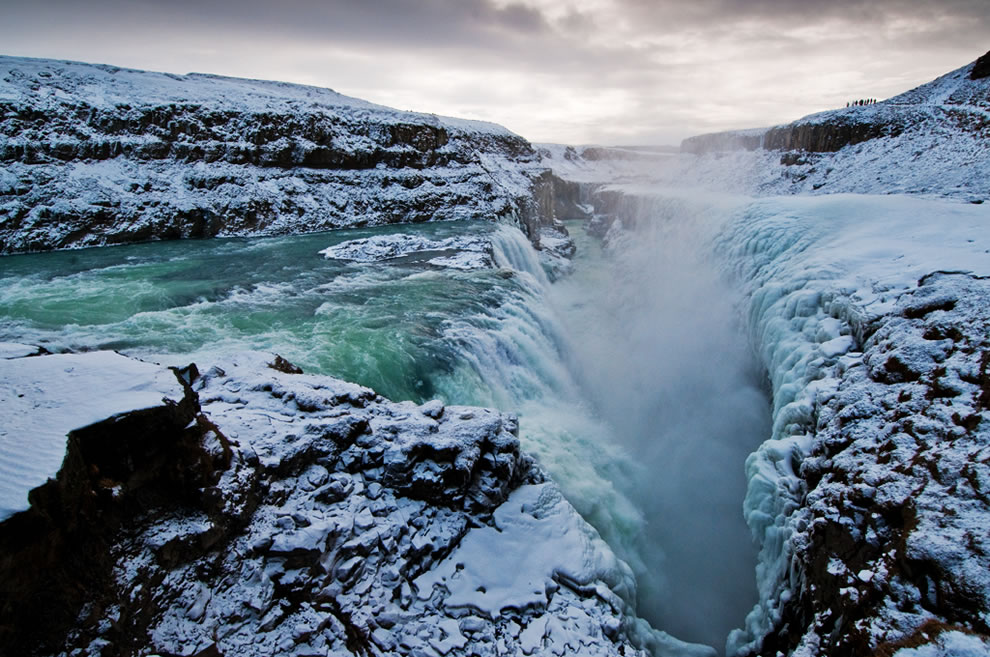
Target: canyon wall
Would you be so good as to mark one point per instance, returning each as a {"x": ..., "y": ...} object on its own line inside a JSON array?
[{"x": 95, "y": 155}]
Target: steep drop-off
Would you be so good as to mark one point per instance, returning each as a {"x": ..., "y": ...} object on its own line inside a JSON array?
[{"x": 274, "y": 512}]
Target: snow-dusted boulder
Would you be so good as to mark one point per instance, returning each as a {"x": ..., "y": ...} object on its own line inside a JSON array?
[{"x": 86, "y": 442}]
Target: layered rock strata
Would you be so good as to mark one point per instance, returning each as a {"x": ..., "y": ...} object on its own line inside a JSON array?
[
  {"x": 97, "y": 155},
  {"x": 960, "y": 98}
]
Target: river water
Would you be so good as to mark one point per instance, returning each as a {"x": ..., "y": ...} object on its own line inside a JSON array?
[{"x": 640, "y": 411}]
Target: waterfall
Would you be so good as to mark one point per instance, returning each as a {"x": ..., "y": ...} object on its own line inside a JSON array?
[{"x": 637, "y": 388}]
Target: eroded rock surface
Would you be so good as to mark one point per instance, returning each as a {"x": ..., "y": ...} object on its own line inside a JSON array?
[
  {"x": 313, "y": 517},
  {"x": 97, "y": 155},
  {"x": 892, "y": 538}
]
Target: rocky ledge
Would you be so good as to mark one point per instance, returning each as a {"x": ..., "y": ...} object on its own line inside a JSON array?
[
  {"x": 254, "y": 509},
  {"x": 97, "y": 155},
  {"x": 891, "y": 550}
]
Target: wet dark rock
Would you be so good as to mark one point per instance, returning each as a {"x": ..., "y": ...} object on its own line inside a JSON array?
[{"x": 284, "y": 366}]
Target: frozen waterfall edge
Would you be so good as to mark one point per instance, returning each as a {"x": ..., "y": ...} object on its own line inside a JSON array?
[{"x": 848, "y": 341}]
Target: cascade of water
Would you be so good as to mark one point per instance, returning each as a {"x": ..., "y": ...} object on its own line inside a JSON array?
[
  {"x": 518, "y": 357},
  {"x": 513, "y": 250},
  {"x": 597, "y": 365},
  {"x": 662, "y": 355},
  {"x": 637, "y": 389}
]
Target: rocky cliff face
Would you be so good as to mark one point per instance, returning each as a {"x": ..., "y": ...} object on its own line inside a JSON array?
[
  {"x": 56, "y": 558},
  {"x": 890, "y": 550},
  {"x": 97, "y": 155},
  {"x": 960, "y": 98}
]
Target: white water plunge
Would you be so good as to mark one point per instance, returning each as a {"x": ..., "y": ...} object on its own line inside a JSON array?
[{"x": 641, "y": 394}]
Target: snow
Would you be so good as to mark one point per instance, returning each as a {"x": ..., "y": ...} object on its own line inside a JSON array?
[
  {"x": 103, "y": 86},
  {"x": 470, "y": 252},
  {"x": 161, "y": 156},
  {"x": 335, "y": 507},
  {"x": 949, "y": 644},
  {"x": 45, "y": 397},
  {"x": 495, "y": 568},
  {"x": 17, "y": 350}
]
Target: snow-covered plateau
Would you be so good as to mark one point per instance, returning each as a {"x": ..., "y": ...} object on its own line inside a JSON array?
[{"x": 830, "y": 300}]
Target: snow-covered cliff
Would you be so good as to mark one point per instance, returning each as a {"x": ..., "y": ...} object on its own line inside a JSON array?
[
  {"x": 252, "y": 509},
  {"x": 96, "y": 155},
  {"x": 932, "y": 140}
]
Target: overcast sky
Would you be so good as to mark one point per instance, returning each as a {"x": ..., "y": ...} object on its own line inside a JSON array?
[{"x": 571, "y": 71}]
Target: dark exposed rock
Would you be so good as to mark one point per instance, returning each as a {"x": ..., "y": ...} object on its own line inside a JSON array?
[
  {"x": 981, "y": 69},
  {"x": 284, "y": 366},
  {"x": 55, "y": 558}
]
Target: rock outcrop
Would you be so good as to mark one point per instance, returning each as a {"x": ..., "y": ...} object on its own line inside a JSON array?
[
  {"x": 960, "y": 98},
  {"x": 892, "y": 549},
  {"x": 56, "y": 558},
  {"x": 981, "y": 69},
  {"x": 98, "y": 155},
  {"x": 275, "y": 512}
]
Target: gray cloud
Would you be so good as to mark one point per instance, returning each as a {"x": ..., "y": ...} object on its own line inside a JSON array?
[{"x": 570, "y": 70}]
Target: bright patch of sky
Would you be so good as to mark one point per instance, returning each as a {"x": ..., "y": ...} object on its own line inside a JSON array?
[{"x": 571, "y": 71}]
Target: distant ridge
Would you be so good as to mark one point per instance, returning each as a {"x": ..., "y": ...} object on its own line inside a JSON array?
[{"x": 961, "y": 97}]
